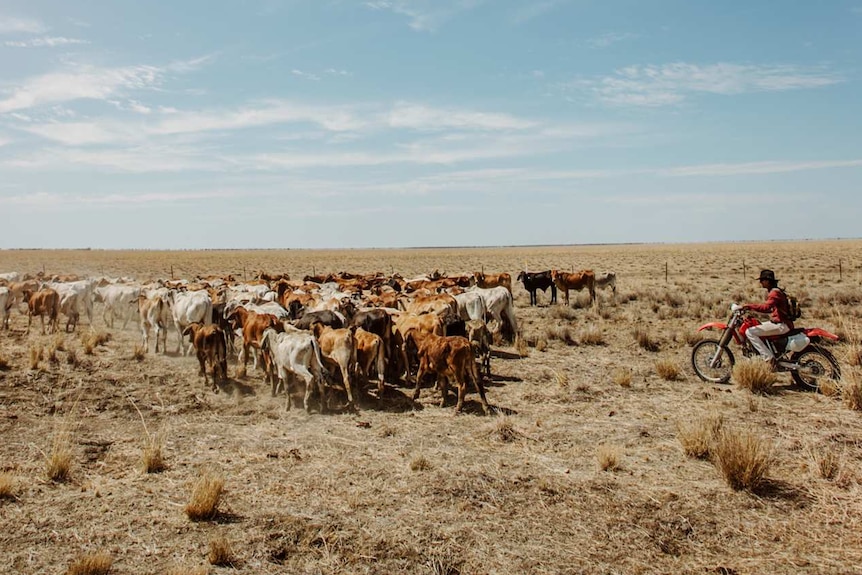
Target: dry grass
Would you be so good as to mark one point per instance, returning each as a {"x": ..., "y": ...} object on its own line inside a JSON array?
[
  {"x": 60, "y": 342},
  {"x": 221, "y": 553},
  {"x": 698, "y": 437},
  {"x": 206, "y": 495},
  {"x": 420, "y": 463},
  {"x": 504, "y": 430},
  {"x": 93, "y": 339},
  {"x": 622, "y": 377},
  {"x": 91, "y": 564},
  {"x": 180, "y": 570},
  {"x": 592, "y": 335},
  {"x": 4, "y": 363},
  {"x": 645, "y": 340},
  {"x": 743, "y": 458},
  {"x": 608, "y": 457},
  {"x": 561, "y": 333},
  {"x": 755, "y": 375},
  {"x": 851, "y": 390},
  {"x": 668, "y": 370},
  {"x": 827, "y": 462},
  {"x": 59, "y": 461},
  {"x": 8, "y": 487},
  {"x": 52, "y": 355},
  {"x": 36, "y": 355},
  {"x": 139, "y": 353},
  {"x": 521, "y": 346},
  {"x": 72, "y": 358},
  {"x": 541, "y": 344},
  {"x": 152, "y": 458}
]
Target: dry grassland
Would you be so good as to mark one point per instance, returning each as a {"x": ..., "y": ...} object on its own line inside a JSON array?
[{"x": 602, "y": 458}]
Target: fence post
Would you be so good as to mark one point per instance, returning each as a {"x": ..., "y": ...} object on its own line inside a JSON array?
[
  {"x": 743, "y": 271},
  {"x": 665, "y": 272},
  {"x": 840, "y": 275},
  {"x": 172, "y": 271}
]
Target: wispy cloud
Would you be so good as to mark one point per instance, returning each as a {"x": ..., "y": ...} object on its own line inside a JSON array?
[
  {"x": 425, "y": 15},
  {"x": 749, "y": 168},
  {"x": 672, "y": 83},
  {"x": 45, "y": 42},
  {"x": 45, "y": 199},
  {"x": 306, "y": 75},
  {"x": 605, "y": 40},
  {"x": 532, "y": 10},
  {"x": 419, "y": 117},
  {"x": 13, "y": 25}
]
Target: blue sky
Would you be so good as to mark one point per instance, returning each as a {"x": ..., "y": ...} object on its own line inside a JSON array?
[{"x": 389, "y": 123}]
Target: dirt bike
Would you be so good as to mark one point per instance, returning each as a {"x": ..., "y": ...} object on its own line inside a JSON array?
[{"x": 797, "y": 351}]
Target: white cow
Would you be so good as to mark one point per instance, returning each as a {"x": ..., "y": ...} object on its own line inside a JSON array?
[
  {"x": 84, "y": 294},
  {"x": 471, "y": 305},
  {"x": 188, "y": 308},
  {"x": 10, "y": 276},
  {"x": 607, "y": 279},
  {"x": 69, "y": 308},
  {"x": 5, "y": 306},
  {"x": 154, "y": 312},
  {"x": 295, "y": 352},
  {"x": 500, "y": 305},
  {"x": 118, "y": 300}
]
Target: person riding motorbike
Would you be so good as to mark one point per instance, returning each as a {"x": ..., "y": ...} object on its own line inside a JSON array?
[{"x": 778, "y": 308}]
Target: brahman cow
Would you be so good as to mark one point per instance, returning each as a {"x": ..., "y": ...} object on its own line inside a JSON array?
[
  {"x": 576, "y": 281},
  {"x": 188, "y": 308},
  {"x": 294, "y": 351},
  {"x": 339, "y": 347}
]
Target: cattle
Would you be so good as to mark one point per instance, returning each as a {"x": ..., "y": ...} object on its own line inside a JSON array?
[
  {"x": 209, "y": 343},
  {"x": 297, "y": 352},
  {"x": 450, "y": 359},
  {"x": 83, "y": 293},
  {"x": 534, "y": 281},
  {"x": 440, "y": 304},
  {"x": 188, "y": 308},
  {"x": 487, "y": 281},
  {"x": 501, "y": 310},
  {"x": 251, "y": 325},
  {"x": 378, "y": 322},
  {"x": 326, "y": 317},
  {"x": 44, "y": 302},
  {"x": 471, "y": 305},
  {"x": 576, "y": 281},
  {"x": 20, "y": 292},
  {"x": 402, "y": 325},
  {"x": 154, "y": 313},
  {"x": 10, "y": 276},
  {"x": 607, "y": 279},
  {"x": 480, "y": 339},
  {"x": 5, "y": 306},
  {"x": 117, "y": 300},
  {"x": 69, "y": 308},
  {"x": 339, "y": 346},
  {"x": 370, "y": 353}
]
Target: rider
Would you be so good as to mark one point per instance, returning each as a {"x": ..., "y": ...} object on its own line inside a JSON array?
[{"x": 778, "y": 308}]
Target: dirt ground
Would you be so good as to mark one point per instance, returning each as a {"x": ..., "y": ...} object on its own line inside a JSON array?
[{"x": 414, "y": 488}]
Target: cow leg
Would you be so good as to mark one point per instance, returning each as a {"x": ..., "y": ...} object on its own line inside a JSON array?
[
  {"x": 419, "y": 375},
  {"x": 381, "y": 369},
  {"x": 443, "y": 384},
  {"x": 308, "y": 379},
  {"x": 345, "y": 376}
]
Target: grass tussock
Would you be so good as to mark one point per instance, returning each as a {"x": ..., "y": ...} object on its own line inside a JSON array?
[
  {"x": 90, "y": 341},
  {"x": 561, "y": 333},
  {"x": 608, "y": 457},
  {"x": 743, "y": 458},
  {"x": 668, "y": 370},
  {"x": 4, "y": 363},
  {"x": 52, "y": 355},
  {"x": 37, "y": 353},
  {"x": 851, "y": 391},
  {"x": 645, "y": 340},
  {"x": 72, "y": 358},
  {"x": 420, "y": 463},
  {"x": 622, "y": 377},
  {"x": 541, "y": 344},
  {"x": 59, "y": 461},
  {"x": 563, "y": 312},
  {"x": 592, "y": 335},
  {"x": 206, "y": 495},
  {"x": 91, "y": 564},
  {"x": 698, "y": 437},
  {"x": 521, "y": 347},
  {"x": 152, "y": 457},
  {"x": 221, "y": 553},
  {"x": 8, "y": 488},
  {"x": 503, "y": 430},
  {"x": 59, "y": 342},
  {"x": 179, "y": 570},
  {"x": 828, "y": 463},
  {"x": 138, "y": 353},
  {"x": 692, "y": 337},
  {"x": 755, "y": 375}
]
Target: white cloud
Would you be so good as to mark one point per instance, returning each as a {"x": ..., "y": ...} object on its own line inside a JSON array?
[
  {"x": 605, "y": 40},
  {"x": 45, "y": 199},
  {"x": 532, "y": 10},
  {"x": 47, "y": 41},
  {"x": 749, "y": 168},
  {"x": 425, "y": 15},
  {"x": 419, "y": 117},
  {"x": 306, "y": 75},
  {"x": 672, "y": 83},
  {"x": 12, "y": 25}
]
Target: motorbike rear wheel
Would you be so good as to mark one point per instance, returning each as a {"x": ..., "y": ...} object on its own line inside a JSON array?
[
  {"x": 815, "y": 365},
  {"x": 704, "y": 354}
]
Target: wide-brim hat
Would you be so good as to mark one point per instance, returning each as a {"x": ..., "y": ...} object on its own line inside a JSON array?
[{"x": 767, "y": 275}]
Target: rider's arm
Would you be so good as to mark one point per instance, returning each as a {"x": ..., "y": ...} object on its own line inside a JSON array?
[{"x": 767, "y": 307}]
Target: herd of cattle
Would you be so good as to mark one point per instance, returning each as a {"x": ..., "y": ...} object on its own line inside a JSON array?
[{"x": 326, "y": 330}]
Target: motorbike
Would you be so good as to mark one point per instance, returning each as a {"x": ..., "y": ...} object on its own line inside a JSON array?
[{"x": 798, "y": 351}]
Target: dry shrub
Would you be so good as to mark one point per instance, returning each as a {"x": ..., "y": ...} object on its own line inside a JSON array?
[
  {"x": 420, "y": 463},
  {"x": 152, "y": 457},
  {"x": 743, "y": 458},
  {"x": 608, "y": 457},
  {"x": 828, "y": 463},
  {"x": 668, "y": 369},
  {"x": 755, "y": 375},
  {"x": 36, "y": 354},
  {"x": 563, "y": 312},
  {"x": 59, "y": 462},
  {"x": 521, "y": 347},
  {"x": 72, "y": 358},
  {"x": 91, "y": 564},
  {"x": 698, "y": 437},
  {"x": 7, "y": 486},
  {"x": 591, "y": 336},
  {"x": 138, "y": 353},
  {"x": 645, "y": 340},
  {"x": 221, "y": 553},
  {"x": 505, "y": 431},
  {"x": 205, "y": 498},
  {"x": 541, "y": 344},
  {"x": 623, "y": 377}
]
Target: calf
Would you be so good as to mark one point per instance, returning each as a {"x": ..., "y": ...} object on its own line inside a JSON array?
[
  {"x": 209, "y": 343},
  {"x": 44, "y": 302},
  {"x": 294, "y": 351},
  {"x": 69, "y": 307},
  {"x": 538, "y": 281},
  {"x": 480, "y": 339},
  {"x": 449, "y": 358},
  {"x": 576, "y": 281}
]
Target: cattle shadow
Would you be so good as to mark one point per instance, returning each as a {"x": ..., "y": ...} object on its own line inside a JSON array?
[
  {"x": 498, "y": 380},
  {"x": 233, "y": 386},
  {"x": 501, "y": 354},
  {"x": 777, "y": 489},
  {"x": 394, "y": 400}
]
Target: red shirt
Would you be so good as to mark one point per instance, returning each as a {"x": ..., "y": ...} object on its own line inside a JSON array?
[{"x": 776, "y": 306}]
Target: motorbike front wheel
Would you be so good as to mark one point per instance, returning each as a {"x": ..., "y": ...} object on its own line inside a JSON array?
[
  {"x": 815, "y": 365},
  {"x": 711, "y": 362}
]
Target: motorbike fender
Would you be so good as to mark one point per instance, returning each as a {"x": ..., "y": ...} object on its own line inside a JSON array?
[
  {"x": 713, "y": 325},
  {"x": 818, "y": 332}
]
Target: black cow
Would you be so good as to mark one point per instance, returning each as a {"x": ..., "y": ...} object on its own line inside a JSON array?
[
  {"x": 538, "y": 281},
  {"x": 326, "y": 317}
]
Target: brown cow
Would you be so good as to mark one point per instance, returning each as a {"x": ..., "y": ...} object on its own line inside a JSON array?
[
  {"x": 487, "y": 281},
  {"x": 339, "y": 347},
  {"x": 576, "y": 281},
  {"x": 154, "y": 313},
  {"x": 210, "y": 345},
  {"x": 480, "y": 338},
  {"x": 450, "y": 358},
  {"x": 371, "y": 351},
  {"x": 44, "y": 301},
  {"x": 402, "y": 324},
  {"x": 252, "y": 326}
]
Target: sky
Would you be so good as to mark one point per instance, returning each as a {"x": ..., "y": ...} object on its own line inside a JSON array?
[{"x": 396, "y": 123}]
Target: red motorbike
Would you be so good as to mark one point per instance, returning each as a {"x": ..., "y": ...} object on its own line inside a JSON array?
[{"x": 797, "y": 351}]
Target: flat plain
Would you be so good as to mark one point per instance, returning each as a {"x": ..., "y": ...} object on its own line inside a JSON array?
[{"x": 581, "y": 470}]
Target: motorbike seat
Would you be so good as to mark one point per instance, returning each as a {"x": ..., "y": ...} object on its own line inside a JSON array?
[{"x": 793, "y": 331}]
